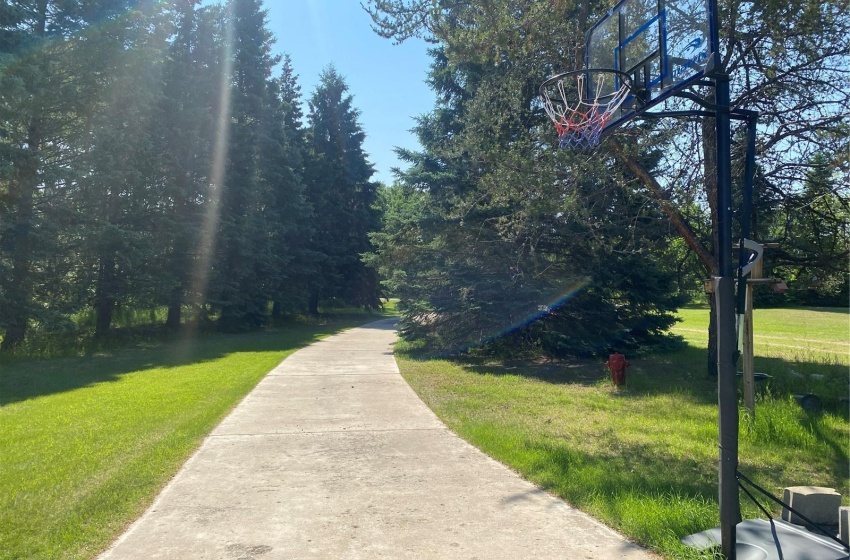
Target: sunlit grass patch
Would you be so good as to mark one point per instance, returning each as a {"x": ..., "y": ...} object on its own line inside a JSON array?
[
  {"x": 806, "y": 335},
  {"x": 87, "y": 442},
  {"x": 643, "y": 457}
]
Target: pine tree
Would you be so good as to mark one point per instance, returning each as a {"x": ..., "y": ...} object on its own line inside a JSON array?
[
  {"x": 342, "y": 197},
  {"x": 245, "y": 264},
  {"x": 813, "y": 230},
  {"x": 290, "y": 215},
  {"x": 118, "y": 208},
  {"x": 784, "y": 59},
  {"x": 183, "y": 128},
  {"x": 48, "y": 89},
  {"x": 519, "y": 246}
]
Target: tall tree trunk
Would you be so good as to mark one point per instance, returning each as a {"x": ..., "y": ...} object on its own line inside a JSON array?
[
  {"x": 181, "y": 249},
  {"x": 22, "y": 200},
  {"x": 19, "y": 289},
  {"x": 18, "y": 311},
  {"x": 104, "y": 303},
  {"x": 277, "y": 310},
  {"x": 175, "y": 308},
  {"x": 313, "y": 301}
]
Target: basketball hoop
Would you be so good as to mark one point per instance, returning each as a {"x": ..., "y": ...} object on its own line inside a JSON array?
[{"x": 581, "y": 103}]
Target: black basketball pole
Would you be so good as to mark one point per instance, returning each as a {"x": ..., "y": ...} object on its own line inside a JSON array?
[
  {"x": 727, "y": 341},
  {"x": 724, "y": 300}
]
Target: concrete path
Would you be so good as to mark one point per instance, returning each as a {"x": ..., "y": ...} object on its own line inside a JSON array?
[{"x": 333, "y": 456}]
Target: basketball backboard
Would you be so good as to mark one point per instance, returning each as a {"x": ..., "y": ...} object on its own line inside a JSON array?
[{"x": 662, "y": 44}]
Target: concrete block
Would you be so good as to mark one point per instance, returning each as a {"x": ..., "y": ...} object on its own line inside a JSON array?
[
  {"x": 819, "y": 504},
  {"x": 844, "y": 523}
]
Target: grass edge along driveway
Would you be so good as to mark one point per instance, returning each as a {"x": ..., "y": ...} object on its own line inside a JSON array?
[
  {"x": 643, "y": 458},
  {"x": 88, "y": 443}
]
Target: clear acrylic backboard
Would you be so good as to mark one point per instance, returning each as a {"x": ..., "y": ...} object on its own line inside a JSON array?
[{"x": 663, "y": 46}]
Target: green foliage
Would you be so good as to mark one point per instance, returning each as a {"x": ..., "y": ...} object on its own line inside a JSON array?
[
  {"x": 284, "y": 162},
  {"x": 815, "y": 239},
  {"x": 149, "y": 158},
  {"x": 244, "y": 261},
  {"x": 498, "y": 241},
  {"x": 51, "y": 60},
  {"x": 785, "y": 61},
  {"x": 342, "y": 197},
  {"x": 182, "y": 132}
]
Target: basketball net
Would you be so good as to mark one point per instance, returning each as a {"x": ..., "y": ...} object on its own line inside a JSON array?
[{"x": 579, "y": 120}]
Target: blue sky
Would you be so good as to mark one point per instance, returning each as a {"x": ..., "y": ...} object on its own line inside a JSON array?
[{"x": 387, "y": 81}]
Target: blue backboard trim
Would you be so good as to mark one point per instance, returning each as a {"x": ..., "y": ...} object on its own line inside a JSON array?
[{"x": 675, "y": 63}]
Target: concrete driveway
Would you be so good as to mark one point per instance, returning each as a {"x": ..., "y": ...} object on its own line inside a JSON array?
[{"x": 333, "y": 456}]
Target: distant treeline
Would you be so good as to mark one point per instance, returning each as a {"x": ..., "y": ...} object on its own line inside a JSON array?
[{"x": 154, "y": 155}]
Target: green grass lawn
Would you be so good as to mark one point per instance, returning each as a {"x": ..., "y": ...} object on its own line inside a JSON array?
[
  {"x": 88, "y": 442},
  {"x": 643, "y": 458},
  {"x": 791, "y": 334}
]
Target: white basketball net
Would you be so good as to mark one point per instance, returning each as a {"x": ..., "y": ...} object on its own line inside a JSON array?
[{"x": 580, "y": 121}]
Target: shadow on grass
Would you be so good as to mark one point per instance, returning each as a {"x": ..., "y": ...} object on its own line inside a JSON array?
[
  {"x": 684, "y": 372},
  {"x": 837, "y": 442},
  {"x": 662, "y": 373},
  {"x": 557, "y": 373},
  {"x": 22, "y": 379}
]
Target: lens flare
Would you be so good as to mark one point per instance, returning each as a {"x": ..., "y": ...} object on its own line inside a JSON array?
[
  {"x": 212, "y": 204},
  {"x": 574, "y": 286}
]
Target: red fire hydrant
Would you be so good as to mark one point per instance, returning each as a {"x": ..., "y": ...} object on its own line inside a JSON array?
[{"x": 617, "y": 364}]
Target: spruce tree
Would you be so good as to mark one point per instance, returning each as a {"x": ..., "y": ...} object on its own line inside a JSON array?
[
  {"x": 122, "y": 169},
  {"x": 290, "y": 215},
  {"x": 51, "y": 64},
  {"x": 342, "y": 196},
  {"x": 243, "y": 275},
  {"x": 184, "y": 127},
  {"x": 519, "y": 246}
]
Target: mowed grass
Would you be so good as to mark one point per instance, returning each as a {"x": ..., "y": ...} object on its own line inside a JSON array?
[
  {"x": 818, "y": 334},
  {"x": 643, "y": 458},
  {"x": 88, "y": 442},
  {"x": 806, "y": 351}
]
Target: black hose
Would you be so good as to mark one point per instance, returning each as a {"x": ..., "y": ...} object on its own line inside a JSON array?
[
  {"x": 769, "y": 517},
  {"x": 788, "y": 507}
]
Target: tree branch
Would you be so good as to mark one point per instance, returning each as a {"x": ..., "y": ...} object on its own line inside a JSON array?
[{"x": 676, "y": 218}]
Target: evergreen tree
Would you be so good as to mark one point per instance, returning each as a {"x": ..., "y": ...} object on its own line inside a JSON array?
[
  {"x": 507, "y": 246},
  {"x": 49, "y": 85},
  {"x": 342, "y": 197},
  {"x": 121, "y": 211},
  {"x": 813, "y": 231},
  {"x": 183, "y": 128},
  {"x": 290, "y": 213},
  {"x": 769, "y": 72},
  {"x": 245, "y": 268},
  {"x": 152, "y": 160}
]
